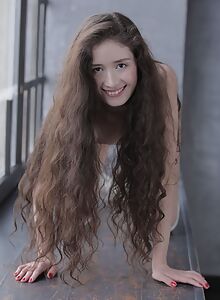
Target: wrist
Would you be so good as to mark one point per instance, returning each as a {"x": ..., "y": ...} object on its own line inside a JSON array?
[
  {"x": 159, "y": 266},
  {"x": 158, "y": 260},
  {"x": 49, "y": 255},
  {"x": 159, "y": 254}
]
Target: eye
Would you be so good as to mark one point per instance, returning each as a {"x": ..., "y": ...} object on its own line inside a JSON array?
[
  {"x": 97, "y": 69},
  {"x": 121, "y": 66}
]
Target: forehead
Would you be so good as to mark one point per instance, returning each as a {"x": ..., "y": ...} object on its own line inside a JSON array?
[{"x": 110, "y": 51}]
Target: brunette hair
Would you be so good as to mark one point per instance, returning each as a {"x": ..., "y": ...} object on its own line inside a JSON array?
[{"x": 59, "y": 191}]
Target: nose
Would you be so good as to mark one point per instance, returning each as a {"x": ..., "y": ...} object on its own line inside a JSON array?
[{"x": 111, "y": 79}]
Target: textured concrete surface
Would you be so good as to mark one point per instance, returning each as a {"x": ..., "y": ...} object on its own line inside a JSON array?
[{"x": 109, "y": 276}]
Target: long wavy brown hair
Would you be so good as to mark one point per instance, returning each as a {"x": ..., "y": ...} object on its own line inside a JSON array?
[{"x": 59, "y": 191}]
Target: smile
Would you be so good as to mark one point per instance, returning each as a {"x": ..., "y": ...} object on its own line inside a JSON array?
[{"x": 115, "y": 93}]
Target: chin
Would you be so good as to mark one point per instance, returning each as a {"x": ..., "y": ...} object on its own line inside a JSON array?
[{"x": 115, "y": 103}]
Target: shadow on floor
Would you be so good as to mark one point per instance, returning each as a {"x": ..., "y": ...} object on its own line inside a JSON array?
[{"x": 213, "y": 293}]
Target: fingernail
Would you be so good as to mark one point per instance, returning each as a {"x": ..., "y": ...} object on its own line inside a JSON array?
[
  {"x": 207, "y": 285},
  {"x": 18, "y": 277},
  {"x": 50, "y": 275},
  {"x": 23, "y": 279},
  {"x": 173, "y": 283},
  {"x": 30, "y": 280},
  {"x": 15, "y": 273}
]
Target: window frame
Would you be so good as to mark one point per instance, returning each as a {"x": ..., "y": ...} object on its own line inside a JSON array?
[{"x": 9, "y": 181}]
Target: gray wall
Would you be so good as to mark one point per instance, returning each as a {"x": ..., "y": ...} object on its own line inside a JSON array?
[
  {"x": 162, "y": 24},
  {"x": 201, "y": 129}
]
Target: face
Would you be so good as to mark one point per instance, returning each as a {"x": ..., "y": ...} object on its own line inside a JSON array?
[{"x": 115, "y": 72}]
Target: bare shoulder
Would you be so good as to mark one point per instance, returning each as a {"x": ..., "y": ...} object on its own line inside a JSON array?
[
  {"x": 168, "y": 73},
  {"x": 170, "y": 78}
]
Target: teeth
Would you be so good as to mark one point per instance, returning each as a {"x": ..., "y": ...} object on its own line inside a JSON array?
[{"x": 115, "y": 93}]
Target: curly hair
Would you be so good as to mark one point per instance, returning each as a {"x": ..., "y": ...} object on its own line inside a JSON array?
[{"x": 59, "y": 191}]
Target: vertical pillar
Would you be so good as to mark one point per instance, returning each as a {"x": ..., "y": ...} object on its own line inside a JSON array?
[{"x": 201, "y": 129}]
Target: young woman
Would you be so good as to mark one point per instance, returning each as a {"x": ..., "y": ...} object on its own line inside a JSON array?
[{"x": 111, "y": 93}]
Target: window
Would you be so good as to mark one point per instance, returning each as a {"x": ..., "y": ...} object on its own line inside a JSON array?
[{"x": 22, "y": 28}]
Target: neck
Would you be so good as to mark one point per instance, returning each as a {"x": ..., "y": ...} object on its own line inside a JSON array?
[
  {"x": 110, "y": 123},
  {"x": 114, "y": 109}
]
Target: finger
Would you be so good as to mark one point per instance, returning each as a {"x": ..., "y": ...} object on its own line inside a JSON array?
[
  {"x": 198, "y": 277},
  {"x": 22, "y": 267},
  {"x": 22, "y": 273},
  {"x": 18, "y": 270},
  {"x": 52, "y": 272},
  {"x": 201, "y": 281},
  {"x": 182, "y": 275},
  {"x": 194, "y": 274},
  {"x": 192, "y": 281},
  {"x": 165, "y": 279},
  {"x": 190, "y": 277},
  {"x": 39, "y": 270},
  {"x": 26, "y": 276}
]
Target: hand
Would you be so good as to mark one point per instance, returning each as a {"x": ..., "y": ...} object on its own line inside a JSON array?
[
  {"x": 171, "y": 276},
  {"x": 30, "y": 271}
]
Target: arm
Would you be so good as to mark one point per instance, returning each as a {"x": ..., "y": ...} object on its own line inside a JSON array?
[
  {"x": 160, "y": 269},
  {"x": 40, "y": 237},
  {"x": 28, "y": 272}
]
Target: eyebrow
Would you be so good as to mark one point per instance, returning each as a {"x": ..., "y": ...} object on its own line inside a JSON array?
[{"x": 116, "y": 61}]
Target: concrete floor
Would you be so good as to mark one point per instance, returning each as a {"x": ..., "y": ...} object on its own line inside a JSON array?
[{"x": 109, "y": 275}]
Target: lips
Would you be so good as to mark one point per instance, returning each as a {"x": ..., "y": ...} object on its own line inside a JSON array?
[{"x": 115, "y": 92}]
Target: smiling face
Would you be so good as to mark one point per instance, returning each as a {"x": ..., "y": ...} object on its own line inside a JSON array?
[{"x": 115, "y": 72}]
